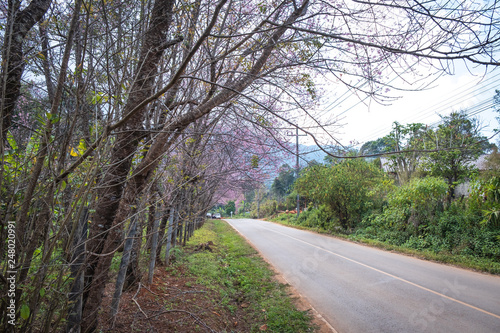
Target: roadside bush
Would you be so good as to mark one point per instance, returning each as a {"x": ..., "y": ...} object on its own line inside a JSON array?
[
  {"x": 407, "y": 215},
  {"x": 485, "y": 243},
  {"x": 417, "y": 242},
  {"x": 320, "y": 217},
  {"x": 344, "y": 188},
  {"x": 452, "y": 230},
  {"x": 485, "y": 198},
  {"x": 290, "y": 201},
  {"x": 267, "y": 208},
  {"x": 416, "y": 216},
  {"x": 456, "y": 230},
  {"x": 421, "y": 199}
]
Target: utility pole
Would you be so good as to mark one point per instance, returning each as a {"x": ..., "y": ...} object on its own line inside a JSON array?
[
  {"x": 297, "y": 169},
  {"x": 297, "y": 166}
]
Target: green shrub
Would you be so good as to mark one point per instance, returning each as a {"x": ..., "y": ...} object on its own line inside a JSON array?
[
  {"x": 344, "y": 188},
  {"x": 485, "y": 197},
  {"x": 320, "y": 217},
  {"x": 421, "y": 198},
  {"x": 485, "y": 243},
  {"x": 267, "y": 208}
]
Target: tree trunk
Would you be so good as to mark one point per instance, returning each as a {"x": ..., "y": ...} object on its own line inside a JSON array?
[
  {"x": 154, "y": 245},
  {"x": 121, "y": 159},
  {"x": 120, "y": 279},
  {"x": 75, "y": 297},
  {"x": 175, "y": 226},
  {"x": 133, "y": 273},
  {"x": 151, "y": 222},
  {"x": 19, "y": 23},
  {"x": 170, "y": 233},
  {"x": 161, "y": 234}
]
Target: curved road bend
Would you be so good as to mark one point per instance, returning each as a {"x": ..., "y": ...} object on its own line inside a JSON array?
[{"x": 361, "y": 289}]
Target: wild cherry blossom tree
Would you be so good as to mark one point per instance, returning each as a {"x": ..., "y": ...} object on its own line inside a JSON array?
[{"x": 136, "y": 92}]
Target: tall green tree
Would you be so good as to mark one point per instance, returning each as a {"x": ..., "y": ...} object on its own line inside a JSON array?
[
  {"x": 374, "y": 147},
  {"x": 459, "y": 143},
  {"x": 406, "y": 141},
  {"x": 230, "y": 208},
  {"x": 282, "y": 185}
]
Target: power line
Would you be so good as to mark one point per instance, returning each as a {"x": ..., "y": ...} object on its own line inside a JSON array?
[{"x": 447, "y": 103}]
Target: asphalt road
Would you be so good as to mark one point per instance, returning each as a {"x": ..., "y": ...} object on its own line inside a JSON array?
[{"x": 361, "y": 289}]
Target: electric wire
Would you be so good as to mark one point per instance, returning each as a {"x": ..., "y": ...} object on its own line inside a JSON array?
[{"x": 448, "y": 103}]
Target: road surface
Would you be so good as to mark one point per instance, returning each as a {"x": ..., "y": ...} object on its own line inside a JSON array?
[{"x": 359, "y": 289}]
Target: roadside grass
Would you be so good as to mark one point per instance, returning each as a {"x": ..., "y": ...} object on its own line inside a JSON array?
[
  {"x": 463, "y": 261},
  {"x": 243, "y": 281}
]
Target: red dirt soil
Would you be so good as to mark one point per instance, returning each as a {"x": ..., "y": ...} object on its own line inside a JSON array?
[{"x": 172, "y": 304}]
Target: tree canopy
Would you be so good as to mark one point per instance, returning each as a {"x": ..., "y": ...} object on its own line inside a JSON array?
[
  {"x": 121, "y": 111},
  {"x": 460, "y": 143}
]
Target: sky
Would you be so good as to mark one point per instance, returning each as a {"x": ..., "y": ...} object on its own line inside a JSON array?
[{"x": 471, "y": 89}]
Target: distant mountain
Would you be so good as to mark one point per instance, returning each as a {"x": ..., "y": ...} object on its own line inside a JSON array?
[
  {"x": 306, "y": 154},
  {"x": 310, "y": 153}
]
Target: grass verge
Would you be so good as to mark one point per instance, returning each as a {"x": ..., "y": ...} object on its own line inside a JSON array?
[
  {"x": 216, "y": 283},
  {"x": 242, "y": 281},
  {"x": 463, "y": 261}
]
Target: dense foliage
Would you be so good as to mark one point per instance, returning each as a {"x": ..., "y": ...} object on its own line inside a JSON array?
[
  {"x": 416, "y": 215},
  {"x": 459, "y": 143},
  {"x": 345, "y": 189}
]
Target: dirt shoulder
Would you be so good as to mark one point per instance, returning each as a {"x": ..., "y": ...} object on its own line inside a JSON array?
[{"x": 223, "y": 287}]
